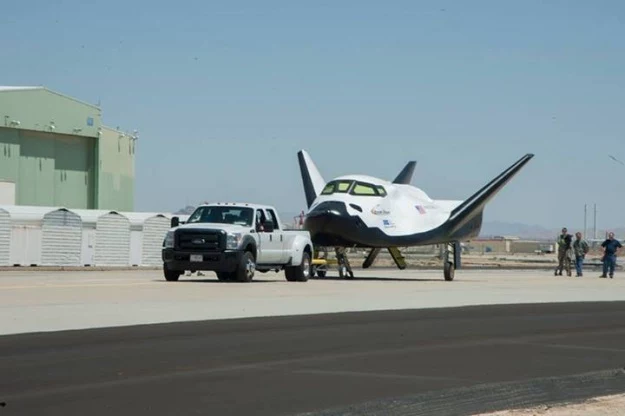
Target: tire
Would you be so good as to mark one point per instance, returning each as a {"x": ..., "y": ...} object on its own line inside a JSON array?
[
  {"x": 171, "y": 275},
  {"x": 299, "y": 273},
  {"x": 224, "y": 276},
  {"x": 321, "y": 273},
  {"x": 247, "y": 268},
  {"x": 344, "y": 273},
  {"x": 449, "y": 271}
]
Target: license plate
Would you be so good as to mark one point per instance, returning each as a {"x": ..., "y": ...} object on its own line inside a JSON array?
[{"x": 196, "y": 257}]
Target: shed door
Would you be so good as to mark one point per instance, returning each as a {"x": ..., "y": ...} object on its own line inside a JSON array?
[
  {"x": 154, "y": 230},
  {"x": 5, "y": 238},
  {"x": 25, "y": 245},
  {"x": 112, "y": 241},
  {"x": 88, "y": 246},
  {"x": 61, "y": 239},
  {"x": 135, "y": 247}
]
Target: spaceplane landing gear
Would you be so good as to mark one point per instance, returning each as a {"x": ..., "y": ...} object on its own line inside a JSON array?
[
  {"x": 451, "y": 260},
  {"x": 345, "y": 269}
]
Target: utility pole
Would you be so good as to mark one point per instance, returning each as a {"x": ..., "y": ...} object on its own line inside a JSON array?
[{"x": 595, "y": 224}]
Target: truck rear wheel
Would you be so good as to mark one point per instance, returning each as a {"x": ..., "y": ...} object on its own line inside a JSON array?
[
  {"x": 246, "y": 269},
  {"x": 171, "y": 275},
  {"x": 299, "y": 273}
]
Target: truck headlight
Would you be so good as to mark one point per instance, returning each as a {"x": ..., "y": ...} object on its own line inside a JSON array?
[
  {"x": 233, "y": 240},
  {"x": 169, "y": 240}
]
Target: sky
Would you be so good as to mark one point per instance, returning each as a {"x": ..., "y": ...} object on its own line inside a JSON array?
[{"x": 224, "y": 94}]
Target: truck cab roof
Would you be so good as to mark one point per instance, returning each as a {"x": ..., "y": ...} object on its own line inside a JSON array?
[{"x": 237, "y": 204}]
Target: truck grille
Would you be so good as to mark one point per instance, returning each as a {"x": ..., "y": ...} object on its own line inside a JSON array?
[{"x": 200, "y": 240}]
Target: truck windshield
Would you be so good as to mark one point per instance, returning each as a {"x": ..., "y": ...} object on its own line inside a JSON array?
[{"x": 223, "y": 215}]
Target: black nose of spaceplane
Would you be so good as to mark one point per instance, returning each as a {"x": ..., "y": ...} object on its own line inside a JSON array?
[{"x": 328, "y": 222}]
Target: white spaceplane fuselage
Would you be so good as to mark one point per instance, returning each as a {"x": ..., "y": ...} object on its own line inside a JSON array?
[{"x": 363, "y": 211}]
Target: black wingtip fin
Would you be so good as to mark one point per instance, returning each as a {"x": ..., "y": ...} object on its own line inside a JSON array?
[
  {"x": 307, "y": 181},
  {"x": 405, "y": 176},
  {"x": 475, "y": 204}
]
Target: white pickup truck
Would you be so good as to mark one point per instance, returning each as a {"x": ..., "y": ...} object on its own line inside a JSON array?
[{"x": 235, "y": 241}]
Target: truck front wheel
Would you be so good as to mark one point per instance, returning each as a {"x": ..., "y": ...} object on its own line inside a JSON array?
[
  {"x": 171, "y": 275},
  {"x": 299, "y": 273},
  {"x": 246, "y": 269}
]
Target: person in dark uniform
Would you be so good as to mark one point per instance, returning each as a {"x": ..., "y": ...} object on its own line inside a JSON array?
[
  {"x": 564, "y": 253},
  {"x": 610, "y": 249}
]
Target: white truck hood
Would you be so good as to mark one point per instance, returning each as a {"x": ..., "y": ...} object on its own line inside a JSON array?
[{"x": 229, "y": 228}]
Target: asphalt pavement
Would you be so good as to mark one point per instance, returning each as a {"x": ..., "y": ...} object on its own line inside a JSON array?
[{"x": 312, "y": 363}]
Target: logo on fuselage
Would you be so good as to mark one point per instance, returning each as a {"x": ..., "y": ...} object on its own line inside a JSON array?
[
  {"x": 378, "y": 210},
  {"x": 388, "y": 224}
]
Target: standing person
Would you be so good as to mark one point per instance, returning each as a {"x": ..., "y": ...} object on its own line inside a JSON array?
[
  {"x": 564, "y": 253},
  {"x": 580, "y": 248},
  {"x": 610, "y": 249}
]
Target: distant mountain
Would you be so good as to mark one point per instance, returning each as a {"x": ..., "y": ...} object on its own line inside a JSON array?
[
  {"x": 501, "y": 228},
  {"x": 536, "y": 232}
]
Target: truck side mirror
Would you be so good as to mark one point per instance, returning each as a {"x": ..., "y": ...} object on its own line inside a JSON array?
[
  {"x": 268, "y": 226},
  {"x": 175, "y": 221}
]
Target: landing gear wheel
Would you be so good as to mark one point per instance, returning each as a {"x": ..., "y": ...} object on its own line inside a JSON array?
[
  {"x": 345, "y": 269},
  {"x": 224, "y": 276},
  {"x": 345, "y": 272},
  {"x": 299, "y": 273},
  {"x": 246, "y": 269},
  {"x": 171, "y": 275},
  {"x": 449, "y": 271}
]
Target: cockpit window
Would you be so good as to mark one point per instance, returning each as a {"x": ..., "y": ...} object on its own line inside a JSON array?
[
  {"x": 342, "y": 186},
  {"x": 366, "y": 189},
  {"x": 336, "y": 186},
  {"x": 329, "y": 188}
]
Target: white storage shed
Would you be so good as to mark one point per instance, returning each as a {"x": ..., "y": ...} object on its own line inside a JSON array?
[
  {"x": 26, "y": 233},
  {"x": 105, "y": 238},
  {"x": 112, "y": 240},
  {"x": 147, "y": 232},
  {"x": 61, "y": 238},
  {"x": 5, "y": 237}
]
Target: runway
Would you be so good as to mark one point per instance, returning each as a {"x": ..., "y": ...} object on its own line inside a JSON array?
[
  {"x": 36, "y": 301},
  {"x": 320, "y": 363}
]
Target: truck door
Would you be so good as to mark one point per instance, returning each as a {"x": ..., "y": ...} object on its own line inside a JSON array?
[
  {"x": 282, "y": 254},
  {"x": 271, "y": 247},
  {"x": 263, "y": 239}
]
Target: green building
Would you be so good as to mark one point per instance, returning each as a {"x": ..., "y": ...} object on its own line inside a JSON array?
[{"x": 54, "y": 151}]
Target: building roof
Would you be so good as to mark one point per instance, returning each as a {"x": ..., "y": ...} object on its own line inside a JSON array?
[
  {"x": 17, "y": 88},
  {"x": 27, "y": 213},
  {"x": 30, "y": 88},
  {"x": 90, "y": 216}
]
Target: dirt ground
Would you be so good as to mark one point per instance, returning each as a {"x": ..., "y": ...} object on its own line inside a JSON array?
[{"x": 600, "y": 406}]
